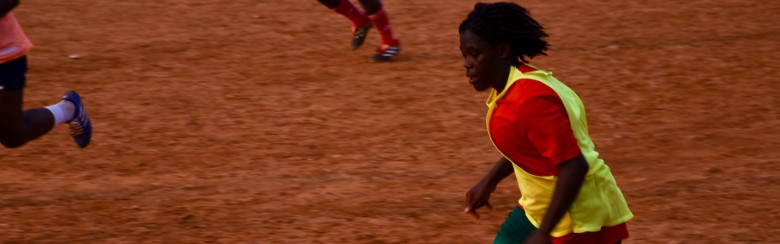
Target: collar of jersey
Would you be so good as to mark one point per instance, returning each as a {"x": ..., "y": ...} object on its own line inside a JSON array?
[{"x": 514, "y": 75}]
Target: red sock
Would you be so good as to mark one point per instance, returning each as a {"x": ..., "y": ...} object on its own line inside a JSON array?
[
  {"x": 383, "y": 25},
  {"x": 353, "y": 13}
]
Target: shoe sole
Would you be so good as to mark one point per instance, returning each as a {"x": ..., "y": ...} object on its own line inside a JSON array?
[{"x": 389, "y": 54}]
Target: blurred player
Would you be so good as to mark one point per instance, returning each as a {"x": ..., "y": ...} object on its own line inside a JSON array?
[
  {"x": 361, "y": 21},
  {"x": 17, "y": 127},
  {"x": 538, "y": 124}
]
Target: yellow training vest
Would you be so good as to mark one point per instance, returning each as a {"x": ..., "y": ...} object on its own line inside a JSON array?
[{"x": 599, "y": 201}]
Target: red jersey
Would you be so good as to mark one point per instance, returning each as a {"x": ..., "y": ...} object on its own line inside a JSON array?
[{"x": 13, "y": 43}]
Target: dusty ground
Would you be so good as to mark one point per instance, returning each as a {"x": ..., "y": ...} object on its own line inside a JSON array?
[{"x": 262, "y": 130}]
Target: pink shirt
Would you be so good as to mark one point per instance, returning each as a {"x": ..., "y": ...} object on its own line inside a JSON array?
[{"x": 13, "y": 43}]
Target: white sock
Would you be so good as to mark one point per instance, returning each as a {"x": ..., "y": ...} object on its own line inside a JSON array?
[{"x": 63, "y": 112}]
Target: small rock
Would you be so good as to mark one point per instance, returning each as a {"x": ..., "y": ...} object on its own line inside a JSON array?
[
  {"x": 74, "y": 56},
  {"x": 613, "y": 46},
  {"x": 182, "y": 218},
  {"x": 714, "y": 170},
  {"x": 258, "y": 16},
  {"x": 372, "y": 162}
]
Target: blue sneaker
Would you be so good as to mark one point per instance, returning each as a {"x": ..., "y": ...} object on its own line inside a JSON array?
[{"x": 80, "y": 126}]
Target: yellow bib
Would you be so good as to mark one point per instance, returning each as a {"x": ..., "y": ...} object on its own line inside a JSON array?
[{"x": 599, "y": 202}]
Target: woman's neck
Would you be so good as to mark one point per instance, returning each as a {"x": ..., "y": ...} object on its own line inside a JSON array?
[{"x": 501, "y": 84}]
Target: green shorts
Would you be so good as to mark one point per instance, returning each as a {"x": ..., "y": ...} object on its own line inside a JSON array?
[{"x": 516, "y": 228}]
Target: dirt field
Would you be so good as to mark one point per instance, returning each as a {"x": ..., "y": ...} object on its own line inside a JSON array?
[{"x": 269, "y": 130}]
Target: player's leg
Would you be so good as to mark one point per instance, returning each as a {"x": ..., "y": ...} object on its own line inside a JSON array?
[
  {"x": 371, "y": 6},
  {"x": 390, "y": 45},
  {"x": 18, "y": 127},
  {"x": 360, "y": 23},
  {"x": 331, "y": 4}
]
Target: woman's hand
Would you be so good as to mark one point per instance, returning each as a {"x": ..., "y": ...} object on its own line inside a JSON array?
[{"x": 479, "y": 196}]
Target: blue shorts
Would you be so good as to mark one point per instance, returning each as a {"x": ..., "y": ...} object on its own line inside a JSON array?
[{"x": 12, "y": 74}]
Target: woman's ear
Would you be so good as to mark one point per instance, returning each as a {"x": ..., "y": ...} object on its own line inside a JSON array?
[{"x": 505, "y": 50}]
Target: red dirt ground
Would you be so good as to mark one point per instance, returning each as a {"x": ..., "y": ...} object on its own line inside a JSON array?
[{"x": 262, "y": 130}]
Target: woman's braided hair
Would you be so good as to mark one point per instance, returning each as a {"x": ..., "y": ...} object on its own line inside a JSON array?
[{"x": 507, "y": 22}]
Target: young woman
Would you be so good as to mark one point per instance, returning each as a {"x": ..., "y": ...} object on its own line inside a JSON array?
[
  {"x": 361, "y": 23},
  {"x": 538, "y": 124},
  {"x": 18, "y": 126}
]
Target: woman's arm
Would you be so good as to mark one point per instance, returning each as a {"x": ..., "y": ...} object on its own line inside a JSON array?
[
  {"x": 479, "y": 195},
  {"x": 6, "y": 6},
  {"x": 572, "y": 173}
]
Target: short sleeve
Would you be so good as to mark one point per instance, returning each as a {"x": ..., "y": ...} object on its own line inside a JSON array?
[{"x": 548, "y": 128}]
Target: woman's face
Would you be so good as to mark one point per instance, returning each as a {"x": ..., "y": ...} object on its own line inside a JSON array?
[{"x": 485, "y": 63}]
